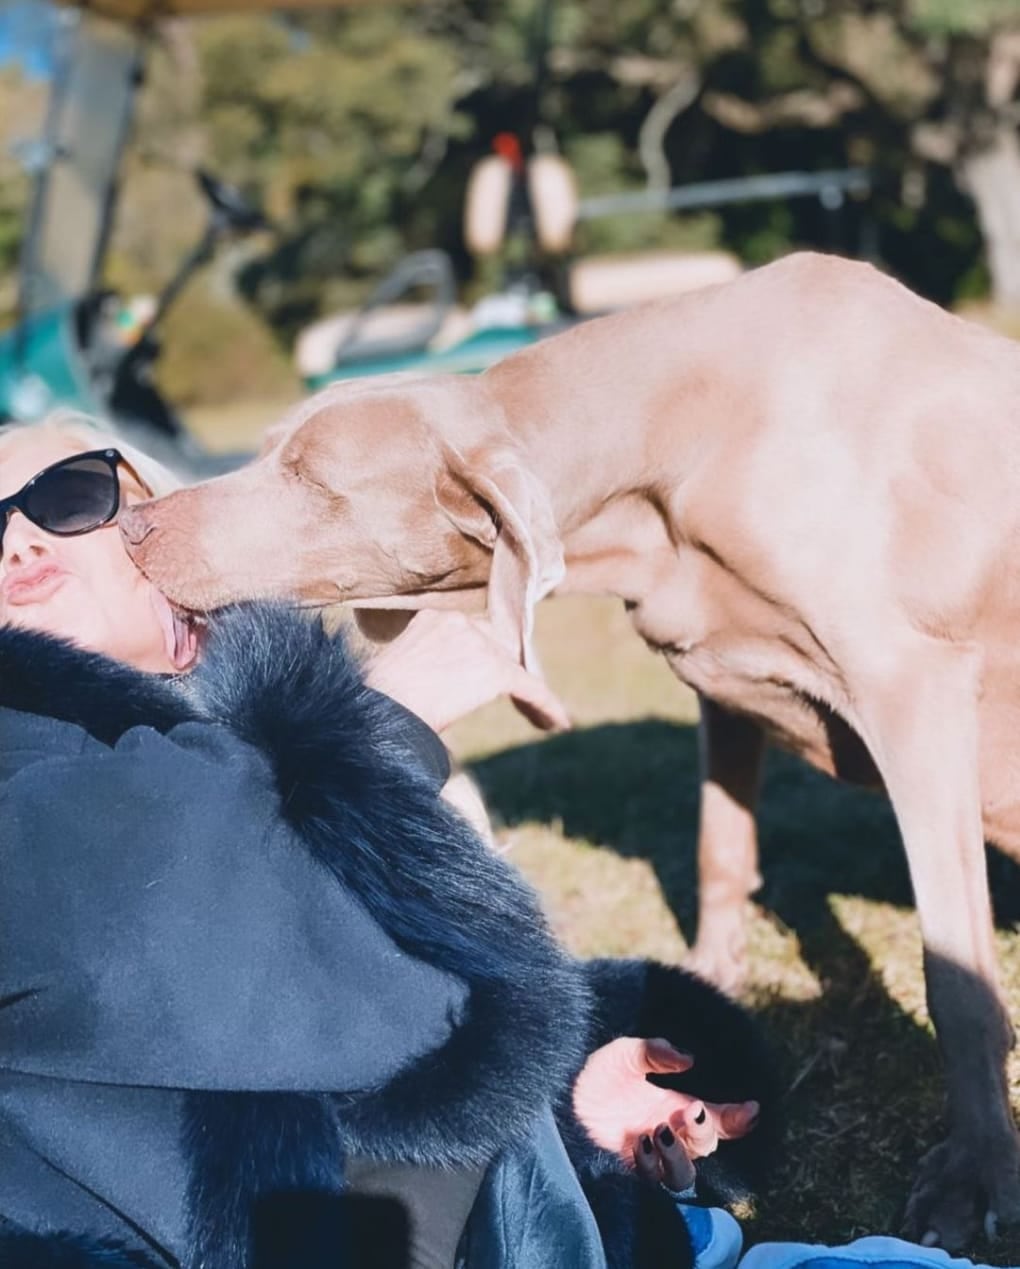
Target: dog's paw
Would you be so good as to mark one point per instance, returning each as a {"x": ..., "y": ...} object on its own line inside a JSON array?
[{"x": 961, "y": 1189}]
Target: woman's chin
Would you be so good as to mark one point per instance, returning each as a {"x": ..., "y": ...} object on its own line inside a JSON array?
[
  {"x": 62, "y": 616},
  {"x": 124, "y": 632},
  {"x": 41, "y": 622},
  {"x": 34, "y": 617}
]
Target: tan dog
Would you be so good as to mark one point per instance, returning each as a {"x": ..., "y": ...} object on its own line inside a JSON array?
[{"x": 805, "y": 484}]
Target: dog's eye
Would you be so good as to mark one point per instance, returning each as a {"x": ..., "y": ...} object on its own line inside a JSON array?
[{"x": 299, "y": 472}]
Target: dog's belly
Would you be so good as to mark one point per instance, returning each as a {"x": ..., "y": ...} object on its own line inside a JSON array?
[
  {"x": 736, "y": 678},
  {"x": 789, "y": 716},
  {"x": 759, "y": 668},
  {"x": 766, "y": 680}
]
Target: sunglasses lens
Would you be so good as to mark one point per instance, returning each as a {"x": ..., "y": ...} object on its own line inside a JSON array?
[{"x": 74, "y": 497}]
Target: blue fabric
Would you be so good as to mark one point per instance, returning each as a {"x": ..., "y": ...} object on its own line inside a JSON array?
[
  {"x": 170, "y": 931},
  {"x": 875, "y": 1252},
  {"x": 716, "y": 1238},
  {"x": 531, "y": 1213}
]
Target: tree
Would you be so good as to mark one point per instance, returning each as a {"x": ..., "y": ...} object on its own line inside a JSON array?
[
  {"x": 973, "y": 51},
  {"x": 937, "y": 78}
]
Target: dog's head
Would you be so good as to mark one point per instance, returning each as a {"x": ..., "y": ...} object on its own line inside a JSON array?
[{"x": 406, "y": 494}]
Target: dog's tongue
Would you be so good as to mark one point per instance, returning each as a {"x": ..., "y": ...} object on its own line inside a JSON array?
[{"x": 179, "y": 636}]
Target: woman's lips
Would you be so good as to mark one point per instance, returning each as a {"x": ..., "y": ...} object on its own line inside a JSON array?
[{"x": 32, "y": 585}]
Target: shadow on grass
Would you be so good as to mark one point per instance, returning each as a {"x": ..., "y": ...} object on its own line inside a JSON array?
[
  {"x": 867, "y": 1090},
  {"x": 633, "y": 787}
]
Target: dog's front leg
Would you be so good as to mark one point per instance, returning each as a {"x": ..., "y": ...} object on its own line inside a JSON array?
[
  {"x": 920, "y": 720},
  {"x": 731, "y": 749}
]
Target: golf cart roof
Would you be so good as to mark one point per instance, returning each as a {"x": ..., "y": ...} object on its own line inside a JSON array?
[{"x": 140, "y": 10}]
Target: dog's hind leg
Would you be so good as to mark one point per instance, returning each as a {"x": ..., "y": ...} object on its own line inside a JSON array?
[
  {"x": 731, "y": 749},
  {"x": 919, "y": 717}
]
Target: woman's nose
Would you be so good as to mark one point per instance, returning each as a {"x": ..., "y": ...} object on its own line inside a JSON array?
[{"x": 22, "y": 541}]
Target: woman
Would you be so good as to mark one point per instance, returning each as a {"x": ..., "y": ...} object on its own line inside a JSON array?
[{"x": 245, "y": 949}]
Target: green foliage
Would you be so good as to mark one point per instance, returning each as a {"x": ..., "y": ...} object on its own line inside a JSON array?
[
  {"x": 603, "y": 165},
  {"x": 971, "y": 16}
]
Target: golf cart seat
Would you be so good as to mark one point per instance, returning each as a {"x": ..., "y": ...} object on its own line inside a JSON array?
[
  {"x": 600, "y": 284},
  {"x": 388, "y": 326},
  {"x": 395, "y": 325}
]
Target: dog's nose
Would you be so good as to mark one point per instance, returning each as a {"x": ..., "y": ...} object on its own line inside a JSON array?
[{"x": 135, "y": 525}]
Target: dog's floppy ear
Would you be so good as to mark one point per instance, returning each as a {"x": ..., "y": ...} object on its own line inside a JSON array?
[{"x": 490, "y": 495}]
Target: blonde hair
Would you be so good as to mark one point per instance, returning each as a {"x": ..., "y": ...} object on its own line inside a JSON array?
[{"x": 85, "y": 432}]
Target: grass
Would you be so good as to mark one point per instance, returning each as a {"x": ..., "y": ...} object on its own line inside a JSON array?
[{"x": 602, "y": 820}]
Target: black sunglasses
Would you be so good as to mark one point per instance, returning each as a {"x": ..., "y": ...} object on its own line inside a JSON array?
[{"x": 76, "y": 495}]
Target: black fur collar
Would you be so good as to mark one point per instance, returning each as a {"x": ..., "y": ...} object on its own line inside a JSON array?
[{"x": 46, "y": 676}]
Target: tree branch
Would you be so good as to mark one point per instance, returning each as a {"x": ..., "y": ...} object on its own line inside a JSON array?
[
  {"x": 808, "y": 109},
  {"x": 660, "y": 118}
]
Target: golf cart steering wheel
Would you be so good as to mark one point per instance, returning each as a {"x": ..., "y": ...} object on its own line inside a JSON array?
[{"x": 229, "y": 204}]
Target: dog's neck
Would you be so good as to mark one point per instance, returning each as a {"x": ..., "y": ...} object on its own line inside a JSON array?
[{"x": 610, "y": 496}]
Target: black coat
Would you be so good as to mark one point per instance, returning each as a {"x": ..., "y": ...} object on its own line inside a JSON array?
[{"x": 241, "y": 938}]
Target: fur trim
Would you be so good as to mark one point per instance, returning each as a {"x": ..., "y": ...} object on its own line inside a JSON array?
[
  {"x": 47, "y": 676},
  {"x": 22, "y": 1249},
  {"x": 245, "y": 1150},
  {"x": 288, "y": 688},
  {"x": 637, "y": 1223},
  {"x": 732, "y": 1063}
]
